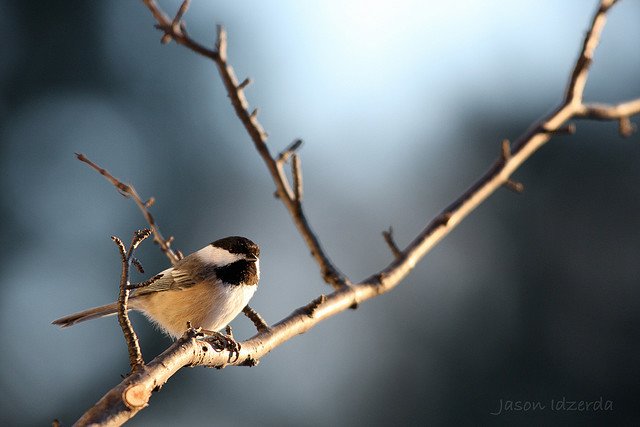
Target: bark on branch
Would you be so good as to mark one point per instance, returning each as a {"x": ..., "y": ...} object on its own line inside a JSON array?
[{"x": 126, "y": 399}]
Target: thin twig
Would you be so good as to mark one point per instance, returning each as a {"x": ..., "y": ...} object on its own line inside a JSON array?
[
  {"x": 388, "y": 238},
  {"x": 129, "y": 191},
  {"x": 285, "y": 154},
  {"x": 506, "y": 150},
  {"x": 146, "y": 283},
  {"x": 246, "y": 82},
  {"x": 515, "y": 186},
  {"x": 260, "y": 324},
  {"x": 137, "y": 264},
  {"x": 625, "y": 127}
]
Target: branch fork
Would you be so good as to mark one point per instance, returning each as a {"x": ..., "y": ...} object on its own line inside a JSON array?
[{"x": 135, "y": 354}]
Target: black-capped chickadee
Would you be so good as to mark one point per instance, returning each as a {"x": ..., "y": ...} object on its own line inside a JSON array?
[{"x": 207, "y": 288}]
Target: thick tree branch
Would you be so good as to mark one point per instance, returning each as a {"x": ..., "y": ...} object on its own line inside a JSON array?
[{"x": 127, "y": 398}]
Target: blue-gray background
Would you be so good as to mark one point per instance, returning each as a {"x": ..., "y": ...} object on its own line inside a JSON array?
[{"x": 401, "y": 106}]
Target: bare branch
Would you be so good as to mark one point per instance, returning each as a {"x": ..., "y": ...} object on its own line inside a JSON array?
[{"x": 128, "y": 191}]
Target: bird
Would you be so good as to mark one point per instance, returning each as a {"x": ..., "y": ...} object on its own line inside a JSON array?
[{"x": 207, "y": 288}]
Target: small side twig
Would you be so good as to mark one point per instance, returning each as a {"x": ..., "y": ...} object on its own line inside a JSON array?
[
  {"x": 506, "y": 150},
  {"x": 388, "y": 237},
  {"x": 259, "y": 322},
  {"x": 133, "y": 346},
  {"x": 246, "y": 82},
  {"x": 137, "y": 264},
  {"x": 515, "y": 186},
  {"x": 285, "y": 154},
  {"x": 625, "y": 127}
]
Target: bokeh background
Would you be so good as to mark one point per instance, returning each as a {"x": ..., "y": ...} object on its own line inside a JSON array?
[{"x": 402, "y": 105}]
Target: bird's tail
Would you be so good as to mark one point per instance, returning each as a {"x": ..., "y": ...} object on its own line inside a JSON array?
[{"x": 91, "y": 313}]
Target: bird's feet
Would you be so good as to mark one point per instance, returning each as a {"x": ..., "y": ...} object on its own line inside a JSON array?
[{"x": 221, "y": 342}]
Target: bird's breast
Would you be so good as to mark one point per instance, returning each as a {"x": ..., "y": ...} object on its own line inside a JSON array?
[{"x": 206, "y": 305}]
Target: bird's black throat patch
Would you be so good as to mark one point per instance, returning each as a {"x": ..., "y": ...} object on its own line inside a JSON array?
[{"x": 238, "y": 273}]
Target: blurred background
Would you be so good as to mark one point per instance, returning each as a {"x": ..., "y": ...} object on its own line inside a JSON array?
[{"x": 402, "y": 105}]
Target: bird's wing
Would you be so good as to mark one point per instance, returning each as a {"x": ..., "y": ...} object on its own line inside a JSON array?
[{"x": 173, "y": 279}]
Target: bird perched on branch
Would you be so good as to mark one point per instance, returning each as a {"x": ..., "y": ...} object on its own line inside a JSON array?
[{"x": 208, "y": 288}]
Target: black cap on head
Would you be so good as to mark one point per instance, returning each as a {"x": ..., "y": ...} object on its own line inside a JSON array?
[{"x": 238, "y": 245}]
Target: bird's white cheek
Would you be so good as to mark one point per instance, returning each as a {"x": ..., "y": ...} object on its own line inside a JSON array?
[{"x": 211, "y": 254}]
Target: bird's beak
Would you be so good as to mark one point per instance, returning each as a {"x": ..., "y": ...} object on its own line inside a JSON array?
[{"x": 251, "y": 258}]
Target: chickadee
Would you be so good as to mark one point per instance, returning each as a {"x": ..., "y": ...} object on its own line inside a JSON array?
[{"x": 207, "y": 288}]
